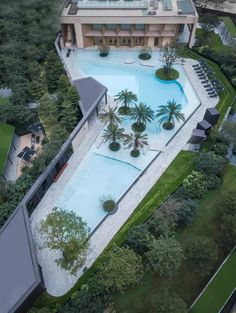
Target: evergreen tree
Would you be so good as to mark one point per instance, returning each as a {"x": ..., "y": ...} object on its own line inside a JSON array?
[{"x": 68, "y": 116}]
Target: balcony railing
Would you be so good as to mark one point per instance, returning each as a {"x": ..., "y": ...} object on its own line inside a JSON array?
[{"x": 114, "y": 4}]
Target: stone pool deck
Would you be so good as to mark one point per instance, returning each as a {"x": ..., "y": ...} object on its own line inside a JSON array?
[{"x": 58, "y": 281}]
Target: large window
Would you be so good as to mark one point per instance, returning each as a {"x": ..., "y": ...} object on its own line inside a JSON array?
[
  {"x": 97, "y": 26},
  {"x": 139, "y": 26},
  {"x": 125, "y": 26},
  {"x": 111, "y": 26}
]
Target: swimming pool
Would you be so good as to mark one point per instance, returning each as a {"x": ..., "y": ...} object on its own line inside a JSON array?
[
  {"x": 103, "y": 172},
  {"x": 96, "y": 176}
]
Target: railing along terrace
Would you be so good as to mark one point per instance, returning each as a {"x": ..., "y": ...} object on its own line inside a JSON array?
[{"x": 116, "y": 4}]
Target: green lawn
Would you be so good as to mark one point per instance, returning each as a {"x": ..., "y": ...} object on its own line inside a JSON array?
[
  {"x": 6, "y": 134},
  {"x": 187, "y": 283},
  {"x": 219, "y": 290},
  {"x": 4, "y": 100}
]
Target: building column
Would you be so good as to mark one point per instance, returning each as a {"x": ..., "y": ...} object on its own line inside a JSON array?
[
  {"x": 79, "y": 35},
  {"x": 192, "y": 34}
]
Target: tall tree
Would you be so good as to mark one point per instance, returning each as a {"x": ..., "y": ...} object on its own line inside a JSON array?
[
  {"x": 169, "y": 113},
  {"x": 113, "y": 134},
  {"x": 168, "y": 302},
  {"x": 110, "y": 116},
  {"x": 142, "y": 114},
  {"x": 201, "y": 253},
  {"x": 120, "y": 269},
  {"x": 66, "y": 232},
  {"x": 69, "y": 115},
  {"x": 136, "y": 141},
  {"x": 170, "y": 57},
  {"x": 126, "y": 98},
  {"x": 166, "y": 256}
]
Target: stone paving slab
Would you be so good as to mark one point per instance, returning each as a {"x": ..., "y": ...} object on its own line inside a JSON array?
[{"x": 57, "y": 281}]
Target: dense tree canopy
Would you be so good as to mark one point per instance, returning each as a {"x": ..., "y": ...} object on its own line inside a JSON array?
[
  {"x": 121, "y": 269},
  {"x": 65, "y": 231},
  {"x": 167, "y": 302},
  {"x": 166, "y": 256}
]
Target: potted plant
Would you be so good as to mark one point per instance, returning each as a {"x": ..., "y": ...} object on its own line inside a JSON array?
[
  {"x": 103, "y": 50},
  {"x": 145, "y": 53}
]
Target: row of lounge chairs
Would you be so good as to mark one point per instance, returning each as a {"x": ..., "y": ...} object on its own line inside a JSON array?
[{"x": 207, "y": 77}]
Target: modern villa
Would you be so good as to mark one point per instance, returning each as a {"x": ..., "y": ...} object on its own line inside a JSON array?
[{"x": 127, "y": 23}]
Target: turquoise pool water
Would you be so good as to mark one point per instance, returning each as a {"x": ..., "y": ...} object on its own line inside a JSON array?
[{"x": 95, "y": 177}]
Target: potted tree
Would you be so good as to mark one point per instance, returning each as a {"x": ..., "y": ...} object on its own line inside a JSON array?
[
  {"x": 113, "y": 133},
  {"x": 109, "y": 116},
  {"x": 104, "y": 50},
  {"x": 169, "y": 113},
  {"x": 136, "y": 141},
  {"x": 108, "y": 204},
  {"x": 126, "y": 98},
  {"x": 142, "y": 114},
  {"x": 145, "y": 53}
]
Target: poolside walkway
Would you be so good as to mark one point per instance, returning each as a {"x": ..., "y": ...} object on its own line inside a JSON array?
[{"x": 57, "y": 281}]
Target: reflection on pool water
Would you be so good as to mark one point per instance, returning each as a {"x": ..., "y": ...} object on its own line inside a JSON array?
[{"x": 103, "y": 172}]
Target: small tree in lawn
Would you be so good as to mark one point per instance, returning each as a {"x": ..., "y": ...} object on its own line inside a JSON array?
[
  {"x": 64, "y": 231},
  {"x": 126, "y": 98},
  {"x": 170, "y": 57},
  {"x": 136, "y": 141},
  {"x": 142, "y": 114},
  {"x": 166, "y": 256},
  {"x": 228, "y": 132},
  {"x": 113, "y": 134},
  {"x": 120, "y": 269},
  {"x": 110, "y": 116},
  {"x": 201, "y": 253}
]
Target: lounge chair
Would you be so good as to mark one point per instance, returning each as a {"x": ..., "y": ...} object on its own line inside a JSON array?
[
  {"x": 202, "y": 77},
  {"x": 207, "y": 85},
  {"x": 210, "y": 89},
  {"x": 211, "y": 93},
  {"x": 196, "y": 65},
  {"x": 205, "y": 81},
  {"x": 200, "y": 72},
  {"x": 213, "y": 96}
]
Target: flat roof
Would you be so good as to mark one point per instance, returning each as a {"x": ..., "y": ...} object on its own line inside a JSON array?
[
  {"x": 90, "y": 91},
  {"x": 186, "y": 6},
  {"x": 19, "y": 271}
]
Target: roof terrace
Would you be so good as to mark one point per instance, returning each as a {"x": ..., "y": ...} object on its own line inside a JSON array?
[{"x": 145, "y": 7}]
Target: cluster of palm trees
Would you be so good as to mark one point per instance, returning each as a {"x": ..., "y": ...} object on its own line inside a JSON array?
[
  {"x": 114, "y": 133},
  {"x": 141, "y": 114}
]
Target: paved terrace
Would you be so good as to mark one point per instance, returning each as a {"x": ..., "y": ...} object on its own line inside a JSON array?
[{"x": 57, "y": 280}]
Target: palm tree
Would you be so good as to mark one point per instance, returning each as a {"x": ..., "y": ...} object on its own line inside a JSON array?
[
  {"x": 169, "y": 113},
  {"x": 137, "y": 141},
  {"x": 110, "y": 116},
  {"x": 142, "y": 114},
  {"x": 126, "y": 98},
  {"x": 113, "y": 133}
]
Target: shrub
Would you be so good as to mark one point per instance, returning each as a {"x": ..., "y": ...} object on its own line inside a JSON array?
[
  {"x": 195, "y": 185},
  {"x": 145, "y": 53},
  {"x": 227, "y": 204},
  {"x": 185, "y": 212},
  {"x": 108, "y": 203},
  {"x": 165, "y": 256},
  {"x": 166, "y": 302},
  {"x": 213, "y": 182},
  {"x": 201, "y": 253},
  {"x": 159, "y": 225},
  {"x": 140, "y": 238},
  {"x": 114, "y": 146},
  {"x": 210, "y": 163},
  {"x": 228, "y": 230},
  {"x": 220, "y": 148}
]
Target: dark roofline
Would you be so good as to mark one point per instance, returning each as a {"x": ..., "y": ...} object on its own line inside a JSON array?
[
  {"x": 38, "y": 282},
  {"x": 97, "y": 100}
]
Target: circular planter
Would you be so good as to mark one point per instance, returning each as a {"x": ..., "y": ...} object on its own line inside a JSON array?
[
  {"x": 168, "y": 126},
  {"x": 114, "y": 147},
  {"x": 138, "y": 127},
  {"x": 124, "y": 110},
  {"x": 161, "y": 74},
  {"x": 109, "y": 206},
  {"x": 135, "y": 153},
  {"x": 145, "y": 56},
  {"x": 103, "y": 54}
]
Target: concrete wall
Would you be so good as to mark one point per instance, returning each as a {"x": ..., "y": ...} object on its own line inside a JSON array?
[{"x": 80, "y": 136}]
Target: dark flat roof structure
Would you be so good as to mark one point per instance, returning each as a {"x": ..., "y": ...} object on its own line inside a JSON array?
[
  {"x": 26, "y": 154},
  {"x": 20, "y": 277},
  {"x": 205, "y": 125},
  {"x": 197, "y": 137},
  {"x": 91, "y": 93}
]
